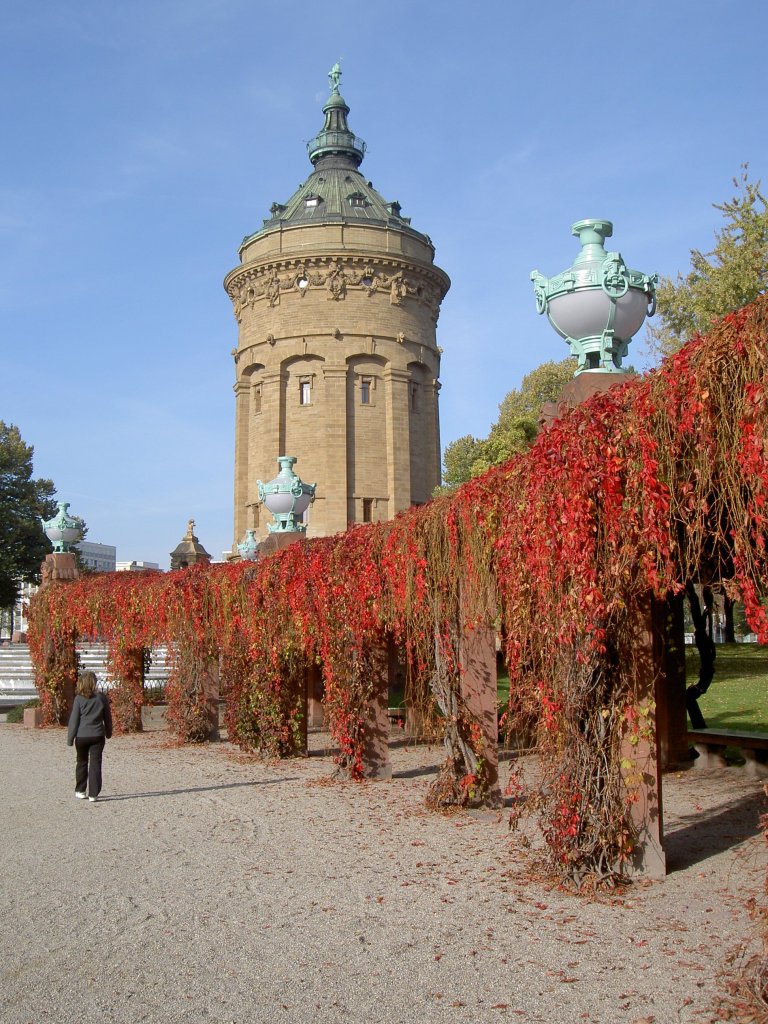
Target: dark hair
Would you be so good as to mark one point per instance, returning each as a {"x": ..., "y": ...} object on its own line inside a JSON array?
[{"x": 86, "y": 684}]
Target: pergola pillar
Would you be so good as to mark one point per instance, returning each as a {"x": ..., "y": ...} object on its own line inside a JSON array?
[
  {"x": 59, "y": 567},
  {"x": 669, "y": 656},
  {"x": 376, "y": 762},
  {"x": 644, "y": 778},
  {"x": 478, "y": 687}
]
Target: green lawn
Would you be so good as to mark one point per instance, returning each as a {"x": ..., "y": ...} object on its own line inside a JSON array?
[
  {"x": 502, "y": 685},
  {"x": 738, "y": 696}
]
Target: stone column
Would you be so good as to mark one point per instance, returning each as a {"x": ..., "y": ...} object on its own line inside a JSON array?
[
  {"x": 397, "y": 384},
  {"x": 335, "y": 492},
  {"x": 242, "y": 391},
  {"x": 271, "y": 428},
  {"x": 433, "y": 405}
]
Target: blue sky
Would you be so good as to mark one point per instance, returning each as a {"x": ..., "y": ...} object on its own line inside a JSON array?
[{"x": 142, "y": 141}]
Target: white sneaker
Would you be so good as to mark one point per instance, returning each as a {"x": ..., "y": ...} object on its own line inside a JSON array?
[
  {"x": 79, "y": 795},
  {"x": 92, "y": 799}
]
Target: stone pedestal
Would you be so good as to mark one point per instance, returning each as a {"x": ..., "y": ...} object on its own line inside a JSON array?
[
  {"x": 61, "y": 565},
  {"x": 277, "y": 541},
  {"x": 33, "y": 718},
  {"x": 578, "y": 390}
]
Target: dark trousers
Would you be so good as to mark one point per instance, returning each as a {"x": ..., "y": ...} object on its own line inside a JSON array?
[{"x": 88, "y": 767}]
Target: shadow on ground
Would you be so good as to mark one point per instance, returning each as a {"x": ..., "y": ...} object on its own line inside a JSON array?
[
  {"x": 699, "y": 835},
  {"x": 192, "y": 789}
]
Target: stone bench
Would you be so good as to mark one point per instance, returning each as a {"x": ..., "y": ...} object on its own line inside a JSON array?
[{"x": 711, "y": 743}]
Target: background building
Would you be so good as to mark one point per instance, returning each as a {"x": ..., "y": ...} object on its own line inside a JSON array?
[
  {"x": 99, "y": 557},
  {"x": 337, "y": 298}
]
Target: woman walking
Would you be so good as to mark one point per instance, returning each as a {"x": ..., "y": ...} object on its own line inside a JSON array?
[{"x": 90, "y": 725}]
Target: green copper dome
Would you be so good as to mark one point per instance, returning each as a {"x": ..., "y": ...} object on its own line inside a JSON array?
[{"x": 336, "y": 190}]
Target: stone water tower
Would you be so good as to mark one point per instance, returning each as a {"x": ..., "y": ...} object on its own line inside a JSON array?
[{"x": 337, "y": 364}]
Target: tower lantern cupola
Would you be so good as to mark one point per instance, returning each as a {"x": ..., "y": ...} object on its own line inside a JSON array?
[{"x": 336, "y": 145}]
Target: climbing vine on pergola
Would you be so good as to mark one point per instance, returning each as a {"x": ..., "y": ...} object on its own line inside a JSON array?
[{"x": 658, "y": 483}]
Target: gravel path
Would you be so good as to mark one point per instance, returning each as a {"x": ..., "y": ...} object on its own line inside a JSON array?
[{"x": 209, "y": 887}]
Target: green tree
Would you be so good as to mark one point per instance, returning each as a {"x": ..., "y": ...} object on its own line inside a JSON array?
[
  {"x": 458, "y": 460},
  {"x": 514, "y": 430},
  {"x": 23, "y": 500},
  {"x": 734, "y": 273}
]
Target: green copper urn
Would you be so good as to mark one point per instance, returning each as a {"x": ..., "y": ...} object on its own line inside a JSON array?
[
  {"x": 598, "y": 304},
  {"x": 63, "y": 530},
  {"x": 287, "y": 498}
]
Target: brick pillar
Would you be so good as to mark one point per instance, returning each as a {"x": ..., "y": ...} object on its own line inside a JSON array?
[
  {"x": 647, "y": 811},
  {"x": 397, "y": 384},
  {"x": 335, "y": 491}
]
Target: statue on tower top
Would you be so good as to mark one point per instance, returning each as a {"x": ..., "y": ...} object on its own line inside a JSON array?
[{"x": 334, "y": 77}]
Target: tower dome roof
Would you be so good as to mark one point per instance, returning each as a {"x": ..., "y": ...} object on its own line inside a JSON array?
[{"x": 336, "y": 190}]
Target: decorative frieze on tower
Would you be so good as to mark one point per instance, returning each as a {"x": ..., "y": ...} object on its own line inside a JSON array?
[{"x": 337, "y": 298}]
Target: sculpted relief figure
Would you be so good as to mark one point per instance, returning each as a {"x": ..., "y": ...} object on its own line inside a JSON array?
[
  {"x": 336, "y": 282},
  {"x": 370, "y": 281},
  {"x": 398, "y": 289},
  {"x": 239, "y": 297},
  {"x": 242, "y": 295},
  {"x": 272, "y": 289}
]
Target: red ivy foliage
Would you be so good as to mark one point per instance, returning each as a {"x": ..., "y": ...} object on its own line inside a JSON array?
[{"x": 659, "y": 482}]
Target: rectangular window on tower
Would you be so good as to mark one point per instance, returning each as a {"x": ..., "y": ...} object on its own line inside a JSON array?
[
  {"x": 366, "y": 385},
  {"x": 256, "y": 399},
  {"x": 367, "y": 510},
  {"x": 305, "y": 391},
  {"x": 414, "y": 397}
]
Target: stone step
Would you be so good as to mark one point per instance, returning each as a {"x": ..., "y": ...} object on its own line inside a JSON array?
[{"x": 17, "y": 676}]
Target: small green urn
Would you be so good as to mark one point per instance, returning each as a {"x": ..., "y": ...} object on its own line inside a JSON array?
[
  {"x": 64, "y": 530},
  {"x": 248, "y": 548}
]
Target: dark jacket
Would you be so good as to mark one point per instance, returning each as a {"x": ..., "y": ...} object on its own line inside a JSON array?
[{"x": 91, "y": 719}]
